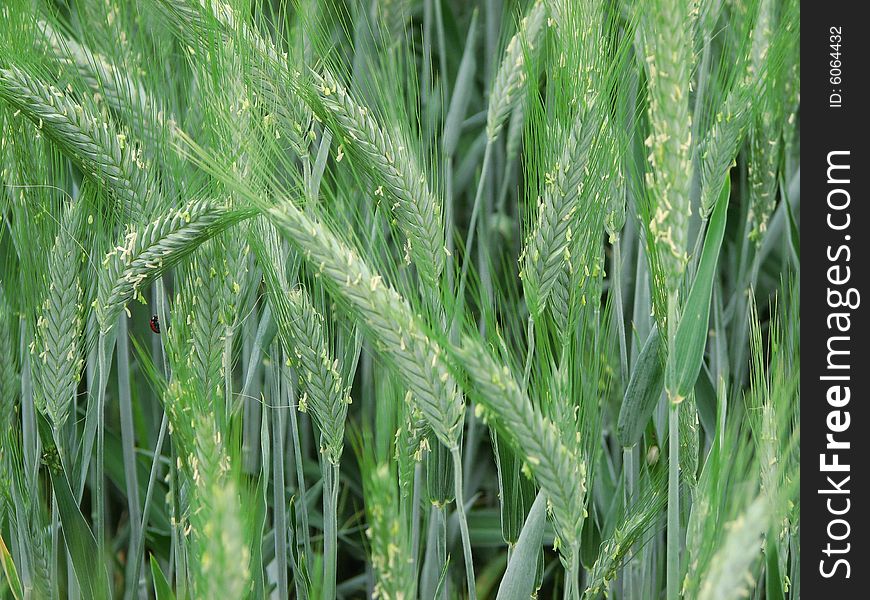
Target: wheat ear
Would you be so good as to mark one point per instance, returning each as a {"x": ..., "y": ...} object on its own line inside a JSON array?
[
  {"x": 120, "y": 91},
  {"x": 613, "y": 550},
  {"x": 145, "y": 252},
  {"x": 58, "y": 361},
  {"x": 301, "y": 331},
  {"x": 221, "y": 554},
  {"x": 732, "y": 564},
  {"x": 559, "y": 471},
  {"x": 765, "y": 140},
  {"x": 322, "y": 383},
  {"x": 668, "y": 52},
  {"x": 268, "y": 73},
  {"x": 206, "y": 277},
  {"x": 547, "y": 250},
  {"x": 510, "y": 78},
  {"x": 396, "y": 330},
  {"x": 388, "y": 531},
  {"x": 415, "y": 207},
  {"x": 720, "y": 146},
  {"x": 100, "y": 149}
]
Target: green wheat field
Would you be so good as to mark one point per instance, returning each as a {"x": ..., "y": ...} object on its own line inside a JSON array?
[{"x": 400, "y": 299}]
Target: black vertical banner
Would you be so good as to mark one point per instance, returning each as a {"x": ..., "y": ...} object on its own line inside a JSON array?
[{"x": 835, "y": 237}]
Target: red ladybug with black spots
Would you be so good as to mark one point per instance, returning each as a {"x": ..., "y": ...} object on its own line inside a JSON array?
[{"x": 155, "y": 324}]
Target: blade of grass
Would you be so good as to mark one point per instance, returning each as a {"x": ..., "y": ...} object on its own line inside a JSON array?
[
  {"x": 519, "y": 578},
  {"x": 162, "y": 590},
  {"x": 82, "y": 545},
  {"x": 10, "y": 571},
  {"x": 691, "y": 332}
]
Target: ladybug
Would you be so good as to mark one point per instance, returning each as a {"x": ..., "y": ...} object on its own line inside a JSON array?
[{"x": 155, "y": 324}]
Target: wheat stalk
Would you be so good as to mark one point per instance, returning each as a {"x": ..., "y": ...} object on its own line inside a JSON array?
[
  {"x": 285, "y": 102},
  {"x": 416, "y": 209},
  {"x": 221, "y": 555},
  {"x": 547, "y": 248},
  {"x": 510, "y": 78},
  {"x": 100, "y": 149},
  {"x": 268, "y": 76},
  {"x": 558, "y": 469},
  {"x": 145, "y": 252},
  {"x": 58, "y": 360},
  {"x": 668, "y": 54},
  {"x": 120, "y": 91},
  {"x": 397, "y": 331},
  {"x": 302, "y": 333}
]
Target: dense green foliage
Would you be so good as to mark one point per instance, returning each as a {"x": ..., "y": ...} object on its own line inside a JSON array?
[{"x": 449, "y": 299}]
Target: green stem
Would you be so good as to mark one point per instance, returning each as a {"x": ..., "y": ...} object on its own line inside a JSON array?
[
  {"x": 620, "y": 311},
  {"x": 330, "y": 527},
  {"x": 302, "y": 506},
  {"x": 478, "y": 196},
  {"x": 527, "y": 370},
  {"x": 227, "y": 360},
  {"x": 448, "y": 219},
  {"x": 501, "y": 199},
  {"x": 426, "y": 77},
  {"x": 572, "y": 575},
  {"x": 95, "y": 418},
  {"x": 29, "y": 433},
  {"x": 415, "y": 516},
  {"x": 128, "y": 449},
  {"x": 673, "y": 536},
  {"x": 138, "y": 550},
  {"x": 72, "y": 592},
  {"x": 630, "y": 468},
  {"x": 55, "y": 546},
  {"x": 178, "y": 549},
  {"x": 463, "y": 522},
  {"x": 673, "y": 533},
  {"x": 472, "y": 434},
  {"x": 483, "y": 247},
  {"x": 98, "y": 492},
  {"x": 442, "y": 51},
  {"x": 439, "y": 528},
  {"x": 278, "y": 485}
]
